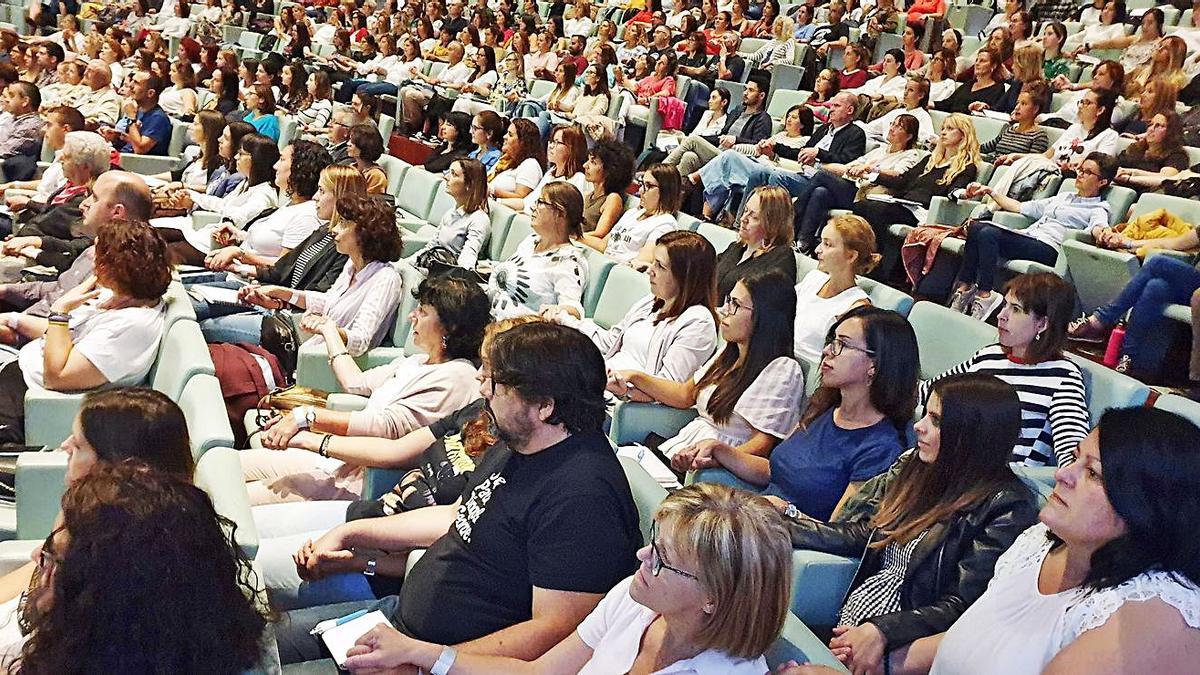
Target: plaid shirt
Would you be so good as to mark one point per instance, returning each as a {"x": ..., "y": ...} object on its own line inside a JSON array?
[{"x": 24, "y": 137}]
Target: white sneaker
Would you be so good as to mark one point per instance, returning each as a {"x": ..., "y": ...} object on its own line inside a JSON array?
[
  {"x": 961, "y": 300},
  {"x": 983, "y": 308}
]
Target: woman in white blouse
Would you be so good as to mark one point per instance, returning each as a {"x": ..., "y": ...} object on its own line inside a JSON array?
[
  {"x": 845, "y": 251},
  {"x": 565, "y": 154},
  {"x": 781, "y": 48},
  {"x": 710, "y": 596},
  {"x": 1109, "y": 580},
  {"x": 547, "y": 268},
  {"x": 749, "y": 395},
  {"x": 522, "y": 162},
  {"x": 480, "y": 82},
  {"x": 712, "y": 122},
  {"x": 1092, "y": 133},
  {"x": 316, "y": 109},
  {"x": 673, "y": 331},
  {"x": 404, "y": 395},
  {"x": 179, "y": 99},
  {"x": 463, "y": 230},
  {"x": 888, "y": 87},
  {"x": 632, "y": 239}
]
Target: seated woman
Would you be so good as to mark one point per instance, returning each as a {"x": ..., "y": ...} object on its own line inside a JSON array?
[
  {"x": 825, "y": 87},
  {"x": 764, "y": 240},
  {"x": 846, "y": 250},
  {"x": 1021, "y": 136},
  {"x": 1166, "y": 66},
  {"x": 361, "y": 304},
  {"x": 297, "y": 174},
  {"x": 179, "y": 100},
  {"x": 561, "y": 98},
  {"x": 314, "y": 110},
  {"x": 940, "y": 70},
  {"x": 547, "y": 267},
  {"x": 225, "y": 177},
  {"x": 202, "y": 160},
  {"x": 632, "y": 238},
  {"x": 726, "y": 564},
  {"x": 854, "y": 426},
  {"x": 609, "y": 171},
  {"x": 1028, "y": 67},
  {"x": 673, "y": 331},
  {"x": 365, "y": 147},
  {"x": 593, "y": 100},
  {"x": 1126, "y": 497},
  {"x": 521, "y": 164},
  {"x": 480, "y": 82},
  {"x": 1107, "y": 75},
  {"x": 406, "y": 394},
  {"x": 887, "y": 89},
  {"x": 1161, "y": 281},
  {"x": 953, "y": 165},
  {"x": 1109, "y": 24},
  {"x": 464, "y": 229},
  {"x": 105, "y": 331},
  {"x": 565, "y": 154},
  {"x": 1092, "y": 133},
  {"x": 748, "y": 395},
  {"x": 260, "y": 111},
  {"x": 837, "y": 186},
  {"x": 487, "y": 134},
  {"x": 930, "y": 529},
  {"x": 733, "y": 166},
  {"x": 780, "y": 48},
  {"x": 1030, "y": 356},
  {"x": 1157, "y": 154},
  {"x": 130, "y": 506},
  {"x": 987, "y": 86},
  {"x": 222, "y": 91},
  {"x": 453, "y": 142},
  {"x": 987, "y": 244}
]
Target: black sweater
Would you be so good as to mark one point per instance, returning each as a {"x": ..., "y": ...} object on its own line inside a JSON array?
[
  {"x": 963, "y": 97},
  {"x": 920, "y": 186}
]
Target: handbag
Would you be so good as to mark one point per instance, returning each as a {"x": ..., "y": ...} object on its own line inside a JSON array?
[
  {"x": 440, "y": 261},
  {"x": 280, "y": 337}
]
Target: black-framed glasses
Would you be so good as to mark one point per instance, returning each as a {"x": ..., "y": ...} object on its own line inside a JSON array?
[
  {"x": 645, "y": 185},
  {"x": 656, "y": 562},
  {"x": 547, "y": 203},
  {"x": 732, "y": 307},
  {"x": 838, "y": 344}
]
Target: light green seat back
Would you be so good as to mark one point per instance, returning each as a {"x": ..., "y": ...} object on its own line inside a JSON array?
[
  {"x": 946, "y": 338},
  {"x": 182, "y": 354},
  {"x": 501, "y": 217},
  {"x": 518, "y": 229},
  {"x": 719, "y": 237},
  {"x": 1106, "y": 388},
  {"x": 1184, "y": 407},
  {"x": 395, "y": 168},
  {"x": 204, "y": 409},
  {"x": 623, "y": 288},
  {"x": 410, "y": 278},
  {"x": 647, "y": 494},
  {"x": 599, "y": 266},
  {"x": 219, "y": 474},
  {"x": 417, "y": 192},
  {"x": 886, "y": 297}
]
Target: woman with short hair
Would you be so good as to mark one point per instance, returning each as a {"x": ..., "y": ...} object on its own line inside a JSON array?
[
  {"x": 609, "y": 171},
  {"x": 463, "y": 230},
  {"x": 260, "y": 111},
  {"x": 714, "y": 576},
  {"x": 365, "y": 148}
]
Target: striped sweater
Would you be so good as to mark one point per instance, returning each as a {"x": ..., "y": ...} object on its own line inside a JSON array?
[{"x": 1054, "y": 414}]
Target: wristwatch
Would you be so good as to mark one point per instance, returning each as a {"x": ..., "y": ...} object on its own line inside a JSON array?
[
  {"x": 370, "y": 571},
  {"x": 304, "y": 416},
  {"x": 791, "y": 511}
]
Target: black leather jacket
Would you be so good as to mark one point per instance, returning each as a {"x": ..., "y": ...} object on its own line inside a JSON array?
[{"x": 949, "y": 569}]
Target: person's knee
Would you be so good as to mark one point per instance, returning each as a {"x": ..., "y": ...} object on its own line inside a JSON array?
[{"x": 1195, "y": 302}]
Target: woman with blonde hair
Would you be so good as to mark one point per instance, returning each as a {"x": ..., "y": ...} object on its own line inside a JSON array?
[
  {"x": 764, "y": 239},
  {"x": 714, "y": 576},
  {"x": 781, "y": 48},
  {"x": 845, "y": 251},
  {"x": 1166, "y": 66},
  {"x": 464, "y": 229},
  {"x": 1028, "y": 67},
  {"x": 953, "y": 165}
]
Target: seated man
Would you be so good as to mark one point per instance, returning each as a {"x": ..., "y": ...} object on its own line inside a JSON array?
[
  {"x": 22, "y": 135},
  {"x": 545, "y": 526},
  {"x": 59, "y": 122},
  {"x": 751, "y": 124},
  {"x": 100, "y": 104},
  {"x": 119, "y": 195},
  {"x": 144, "y": 127},
  {"x": 414, "y": 98}
]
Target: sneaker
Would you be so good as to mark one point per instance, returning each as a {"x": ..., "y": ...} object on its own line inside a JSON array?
[
  {"x": 961, "y": 300},
  {"x": 1124, "y": 365},
  {"x": 1087, "y": 329},
  {"x": 983, "y": 308}
]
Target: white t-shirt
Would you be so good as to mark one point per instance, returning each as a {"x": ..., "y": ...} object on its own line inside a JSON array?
[
  {"x": 285, "y": 228},
  {"x": 814, "y": 314},
  {"x": 631, "y": 233},
  {"x": 1073, "y": 146},
  {"x": 120, "y": 343},
  {"x": 577, "y": 180},
  {"x": 614, "y": 633},
  {"x": 1015, "y": 628},
  {"x": 527, "y": 173}
]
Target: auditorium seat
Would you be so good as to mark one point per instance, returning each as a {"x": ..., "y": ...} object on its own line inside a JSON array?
[{"x": 946, "y": 338}]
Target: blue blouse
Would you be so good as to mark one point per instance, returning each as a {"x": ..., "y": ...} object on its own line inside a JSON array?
[
  {"x": 487, "y": 159},
  {"x": 267, "y": 125}
]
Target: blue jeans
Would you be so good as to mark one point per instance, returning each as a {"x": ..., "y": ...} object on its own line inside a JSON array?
[
  {"x": 242, "y": 327},
  {"x": 731, "y": 168},
  {"x": 1162, "y": 281},
  {"x": 987, "y": 244},
  {"x": 297, "y": 646},
  {"x": 794, "y": 183},
  {"x": 825, "y": 193},
  {"x": 544, "y": 124}
]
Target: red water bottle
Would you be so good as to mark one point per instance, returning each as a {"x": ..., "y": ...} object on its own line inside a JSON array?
[{"x": 1112, "y": 353}]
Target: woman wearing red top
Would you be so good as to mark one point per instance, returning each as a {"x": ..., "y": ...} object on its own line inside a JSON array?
[
  {"x": 853, "y": 74},
  {"x": 923, "y": 8},
  {"x": 661, "y": 82}
]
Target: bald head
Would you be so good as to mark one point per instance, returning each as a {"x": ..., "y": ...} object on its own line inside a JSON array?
[
  {"x": 841, "y": 109},
  {"x": 97, "y": 76},
  {"x": 116, "y": 195}
]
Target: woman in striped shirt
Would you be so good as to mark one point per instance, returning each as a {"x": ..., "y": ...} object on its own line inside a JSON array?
[
  {"x": 1022, "y": 136},
  {"x": 1029, "y": 356}
]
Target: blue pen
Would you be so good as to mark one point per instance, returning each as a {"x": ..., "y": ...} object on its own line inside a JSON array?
[{"x": 350, "y": 617}]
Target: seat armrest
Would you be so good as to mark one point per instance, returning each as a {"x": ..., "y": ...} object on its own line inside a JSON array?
[
  {"x": 632, "y": 421},
  {"x": 15, "y": 553},
  {"x": 819, "y": 584},
  {"x": 346, "y": 402},
  {"x": 1015, "y": 221},
  {"x": 944, "y": 211},
  {"x": 313, "y": 370},
  {"x": 40, "y": 482}
]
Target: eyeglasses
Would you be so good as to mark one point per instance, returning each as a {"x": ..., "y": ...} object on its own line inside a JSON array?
[
  {"x": 547, "y": 203},
  {"x": 1082, "y": 171},
  {"x": 646, "y": 185},
  {"x": 838, "y": 344},
  {"x": 732, "y": 306},
  {"x": 656, "y": 562}
]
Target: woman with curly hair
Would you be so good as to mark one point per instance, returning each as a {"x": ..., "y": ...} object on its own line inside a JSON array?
[
  {"x": 297, "y": 174},
  {"x": 406, "y": 394},
  {"x": 105, "y": 331},
  {"x": 185, "y": 553}
]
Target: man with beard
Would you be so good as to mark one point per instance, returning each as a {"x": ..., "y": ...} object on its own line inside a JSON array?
[{"x": 545, "y": 526}]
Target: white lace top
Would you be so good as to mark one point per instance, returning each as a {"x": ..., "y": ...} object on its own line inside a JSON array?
[{"x": 1014, "y": 628}]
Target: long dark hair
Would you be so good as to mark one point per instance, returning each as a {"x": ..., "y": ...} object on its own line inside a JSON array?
[
  {"x": 771, "y": 335},
  {"x": 137, "y": 423},
  {"x": 237, "y": 131},
  {"x": 213, "y": 124},
  {"x": 1151, "y": 470},
  {"x": 263, "y": 152},
  {"x": 979, "y": 425},
  {"x": 693, "y": 263},
  {"x": 111, "y": 613},
  {"x": 897, "y": 365}
]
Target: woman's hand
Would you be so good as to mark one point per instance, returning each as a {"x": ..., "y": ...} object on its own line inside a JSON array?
[
  {"x": 559, "y": 313},
  {"x": 977, "y": 106},
  {"x": 793, "y": 668},
  {"x": 258, "y": 295},
  {"x": 227, "y": 234},
  {"x": 76, "y": 296},
  {"x": 860, "y": 648},
  {"x": 975, "y": 189},
  {"x": 278, "y": 436},
  {"x": 697, "y": 456},
  {"x": 222, "y": 259},
  {"x": 778, "y": 502},
  {"x": 325, "y": 556},
  {"x": 381, "y": 648},
  {"x": 316, "y": 323},
  {"x": 307, "y": 440}
]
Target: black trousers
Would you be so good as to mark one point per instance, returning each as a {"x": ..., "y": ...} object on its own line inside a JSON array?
[{"x": 12, "y": 404}]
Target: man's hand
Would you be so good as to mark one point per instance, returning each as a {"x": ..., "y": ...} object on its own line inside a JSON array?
[
  {"x": 17, "y": 202},
  {"x": 381, "y": 648},
  {"x": 727, "y": 141},
  {"x": 807, "y": 156},
  {"x": 15, "y": 245}
]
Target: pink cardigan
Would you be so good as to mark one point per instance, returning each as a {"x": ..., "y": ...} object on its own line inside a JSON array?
[{"x": 409, "y": 393}]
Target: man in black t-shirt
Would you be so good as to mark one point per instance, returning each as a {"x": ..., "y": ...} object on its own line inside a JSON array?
[{"x": 546, "y": 524}]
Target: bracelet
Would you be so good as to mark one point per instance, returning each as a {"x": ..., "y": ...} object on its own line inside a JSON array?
[
  {"x": 339, "y": 354},
  {"x": 323, "y": 450},
  {"x": 59, "y": 317}
]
